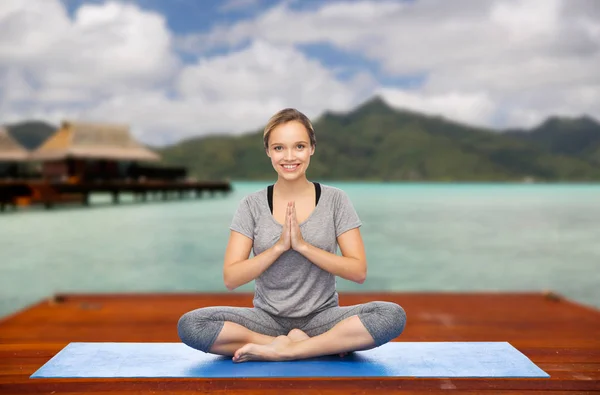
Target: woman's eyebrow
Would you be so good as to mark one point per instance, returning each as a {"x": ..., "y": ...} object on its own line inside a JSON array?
[{"x": 302, "y": 141}]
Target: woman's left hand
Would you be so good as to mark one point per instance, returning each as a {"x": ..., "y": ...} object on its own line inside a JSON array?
[{"x": 296, "y": 236}]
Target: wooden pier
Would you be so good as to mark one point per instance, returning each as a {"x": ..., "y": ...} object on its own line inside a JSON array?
[
  {"x": 560, "y": 336},
  {"x": 49, "y": 194}
]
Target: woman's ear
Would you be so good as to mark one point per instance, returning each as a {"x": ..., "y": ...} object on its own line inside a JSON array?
[
  {"x": 267, "y": 151},
  {"x": 313, "y": 150}
]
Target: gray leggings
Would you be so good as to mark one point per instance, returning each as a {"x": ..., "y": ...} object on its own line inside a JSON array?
[{"x": 199, "y": 328}]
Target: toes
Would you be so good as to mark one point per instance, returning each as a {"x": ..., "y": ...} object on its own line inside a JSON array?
[
  {"x": 243, "y": 354},
  {"x": 239, "y": 357},
  {"x": 238, "y": 354}
]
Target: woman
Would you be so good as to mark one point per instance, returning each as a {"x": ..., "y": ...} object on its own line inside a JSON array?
[{"x": 293, "y": 228}]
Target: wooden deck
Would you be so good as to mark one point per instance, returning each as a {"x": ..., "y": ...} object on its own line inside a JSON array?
[
  {"x": 49, "y": 194},
  {"x": 561, "y": 337}
]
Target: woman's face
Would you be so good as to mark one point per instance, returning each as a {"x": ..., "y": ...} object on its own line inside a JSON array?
[{"x": 290, "y": 150}]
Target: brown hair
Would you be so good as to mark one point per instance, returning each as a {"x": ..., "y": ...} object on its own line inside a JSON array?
[{"x": 287, "y": 115}]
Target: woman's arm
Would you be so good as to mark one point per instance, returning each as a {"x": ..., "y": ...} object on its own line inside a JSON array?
[
  {"x": 352, "y": 265},
  {"x": 238, "y": 269}
]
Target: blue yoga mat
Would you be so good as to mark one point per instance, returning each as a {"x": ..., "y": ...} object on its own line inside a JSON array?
[{"x": 396, "y": 359}]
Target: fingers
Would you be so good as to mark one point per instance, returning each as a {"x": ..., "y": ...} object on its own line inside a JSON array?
[
  {"x": 293, "y": 212},
  {"x": 289, "y": 219}
]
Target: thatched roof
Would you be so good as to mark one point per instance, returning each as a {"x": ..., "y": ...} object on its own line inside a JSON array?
[
  {"x": 10, "y": 149},
  {"x": 93, "y": 141}
]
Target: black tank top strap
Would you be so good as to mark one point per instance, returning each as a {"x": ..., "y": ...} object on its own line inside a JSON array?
[
  {"x": 270, "y": 195},
  {"x": 318, "y": 192}
]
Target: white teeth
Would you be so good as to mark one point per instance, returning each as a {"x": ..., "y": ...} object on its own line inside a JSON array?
[{"x": 290, "y": 166}]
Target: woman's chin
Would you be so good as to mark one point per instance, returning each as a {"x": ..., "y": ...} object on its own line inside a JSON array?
[{"x": 290, "y": 176}]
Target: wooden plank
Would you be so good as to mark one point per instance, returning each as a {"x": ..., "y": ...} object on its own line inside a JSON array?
[
  {"x": 444, "y": 387},
  {"x": 309, "y": 386},
  {"x": 562, "y": 337}
]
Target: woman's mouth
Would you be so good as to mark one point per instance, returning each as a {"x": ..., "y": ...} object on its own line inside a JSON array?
[{"x": 290, "y": 168}]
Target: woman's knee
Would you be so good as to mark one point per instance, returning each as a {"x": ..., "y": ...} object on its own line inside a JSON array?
[
  {"x": 197, "y": 330},
  {"x": 399, "y": 316},
  {"x": 392, "y": 319},
  {"x": 184, "y": 326}
]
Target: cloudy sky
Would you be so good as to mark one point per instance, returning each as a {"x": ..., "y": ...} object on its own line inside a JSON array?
[{"x": 178, "y": 68}]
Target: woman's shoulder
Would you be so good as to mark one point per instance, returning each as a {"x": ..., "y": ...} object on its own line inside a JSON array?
[{"x": 334, "y": 191}]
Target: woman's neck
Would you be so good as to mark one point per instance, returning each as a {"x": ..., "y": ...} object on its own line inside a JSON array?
[{"x": 292, "y": 188}]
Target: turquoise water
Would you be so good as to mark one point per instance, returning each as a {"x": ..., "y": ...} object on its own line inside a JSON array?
[{"x": 419, "y": 237}]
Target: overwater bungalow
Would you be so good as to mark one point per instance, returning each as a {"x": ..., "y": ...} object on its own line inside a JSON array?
[
  {"x": 81, "y": 151},
  {"x": 12, "y": 156},
  {"x": 83, "y": 158}
]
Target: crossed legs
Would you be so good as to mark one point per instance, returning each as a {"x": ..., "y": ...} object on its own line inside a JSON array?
[
  {"x": 234, "y": 336},
  {"x": 251, "y": 334},
  {"x": 347, "y": 335}
]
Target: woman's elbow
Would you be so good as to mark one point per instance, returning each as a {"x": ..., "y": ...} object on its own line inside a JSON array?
[
  {"x": 362, "y": 275},
  {"x": 361, "y": 279},
  {"x": 229, "y": 284}
]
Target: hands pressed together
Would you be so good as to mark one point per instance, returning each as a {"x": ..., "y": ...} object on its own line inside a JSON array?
[{"x": 291, "y": 237}]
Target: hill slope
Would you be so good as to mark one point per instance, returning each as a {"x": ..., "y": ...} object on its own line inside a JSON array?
[
  {"x": 377, "y": 142},
  {"x": 31, "y": 134}
]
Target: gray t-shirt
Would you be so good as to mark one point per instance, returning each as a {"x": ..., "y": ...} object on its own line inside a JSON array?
[{"x": 293, "y": 286}]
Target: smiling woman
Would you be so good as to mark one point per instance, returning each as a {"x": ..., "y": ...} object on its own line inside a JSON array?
[
  {"x": 289, "y": 140},
  {"x": 293, "y": 228}
]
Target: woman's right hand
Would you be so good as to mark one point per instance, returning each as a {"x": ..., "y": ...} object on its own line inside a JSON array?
[{"x": 285, "y": 240}]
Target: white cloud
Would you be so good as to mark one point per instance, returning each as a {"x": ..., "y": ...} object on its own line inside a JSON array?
[
  {"x": 526, "y": 19},
  {"x": 264, "y": 70},
  {"x": 14, "y": 86},
  {"x": 238, "y": 93},
  {"x": 345, "y": 24},
  {"x": 498, "y": 49},
  {"x": 233, "y": 93},
  {"x": 485, "y": 62},
  {"x": 114, "y": 63},
  {"x": 28, "y": 29},
  {"x": 105, "y": 49},
  {"x": 471, "y": 108}
]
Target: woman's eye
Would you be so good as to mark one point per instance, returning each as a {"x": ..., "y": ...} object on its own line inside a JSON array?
[{"x": 301, "y": 146}]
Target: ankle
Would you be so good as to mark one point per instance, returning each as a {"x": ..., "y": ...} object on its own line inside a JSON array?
[{"x": 290, "y": 351}]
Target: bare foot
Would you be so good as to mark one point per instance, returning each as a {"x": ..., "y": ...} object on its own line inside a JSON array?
[
  {"x": 297, "y": 335},
  {"x": 275, "y": 351}
]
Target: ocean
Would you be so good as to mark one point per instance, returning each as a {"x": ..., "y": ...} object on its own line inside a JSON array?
[{"x": 447, "y": 237}]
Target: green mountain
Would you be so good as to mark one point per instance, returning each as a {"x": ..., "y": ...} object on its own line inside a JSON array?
[
  {"x": 31, "y": 134},
  {"x": 376, "y": 142},
  {"x": 578, "y": 137}
]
